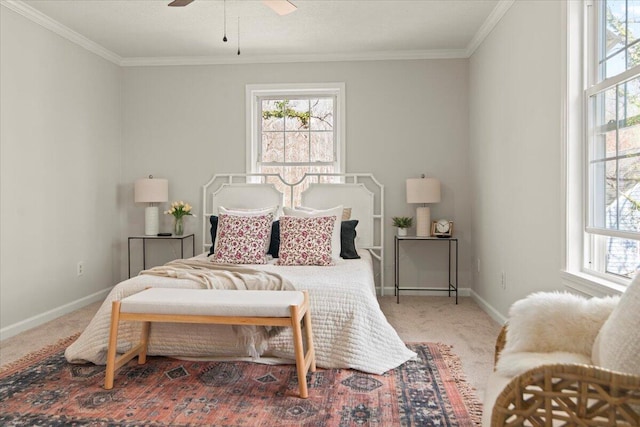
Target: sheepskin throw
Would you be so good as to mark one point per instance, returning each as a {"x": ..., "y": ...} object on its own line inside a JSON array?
[
  {"x": 557, "y": 322},
  {"x": 618, "y": 344}
]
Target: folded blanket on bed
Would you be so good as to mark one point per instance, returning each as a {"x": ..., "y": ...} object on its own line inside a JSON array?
[
  {"x": 230, "y": 276},
  {"x": 222, "y": 276}
]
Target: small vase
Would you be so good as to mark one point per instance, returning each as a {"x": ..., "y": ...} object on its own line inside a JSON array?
[
  {"x": 178, "y": 227},
  {"x": 402, "y": 232}
]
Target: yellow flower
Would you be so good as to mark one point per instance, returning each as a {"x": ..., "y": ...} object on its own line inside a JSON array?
[{"x": 179, "y": 209}]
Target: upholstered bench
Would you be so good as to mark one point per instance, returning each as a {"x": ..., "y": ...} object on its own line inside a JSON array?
[{"x": 231, "y": 307}]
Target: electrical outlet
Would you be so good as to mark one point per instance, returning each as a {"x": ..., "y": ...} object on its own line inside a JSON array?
[
  {"x": 80, "y": 269},
  {"x": 478, "y": 265},
  {"x": 503, "y": 281}
]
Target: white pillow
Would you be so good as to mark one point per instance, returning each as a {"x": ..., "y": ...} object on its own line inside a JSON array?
[
  {"x": 617, "y": 346},
  {"x": 346, "y": 212},
  {"x": 247, "y": 212},
  {"x": 335, "y": 234}
]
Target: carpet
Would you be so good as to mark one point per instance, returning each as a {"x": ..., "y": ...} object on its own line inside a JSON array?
[{"x": 43, "y": 389}]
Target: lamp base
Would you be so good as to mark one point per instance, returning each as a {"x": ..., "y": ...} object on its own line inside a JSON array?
[
  {"x": 151, "y": 221},
  {"x": 423, "y": 223}
]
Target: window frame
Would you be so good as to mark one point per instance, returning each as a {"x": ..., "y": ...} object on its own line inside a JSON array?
[
  {"x": 580, "y": 72},
  {"x": 256, "y": 92}
]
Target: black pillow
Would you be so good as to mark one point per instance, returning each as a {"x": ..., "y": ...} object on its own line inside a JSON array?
[
  {"x": 274, "y": 243},
  {"x": 348, "y": 239},
  {"x": 214, "y": 229}
]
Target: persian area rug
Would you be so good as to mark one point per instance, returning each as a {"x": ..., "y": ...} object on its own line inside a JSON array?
[{"x": 42, "y": 389}]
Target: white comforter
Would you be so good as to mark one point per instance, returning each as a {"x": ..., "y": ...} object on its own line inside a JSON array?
[{"x": 349, "y": 329}]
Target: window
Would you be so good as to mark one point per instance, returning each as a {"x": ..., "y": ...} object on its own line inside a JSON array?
[
  {"x": 293, "y": 130},
  {"x": 607, "y": 114}
]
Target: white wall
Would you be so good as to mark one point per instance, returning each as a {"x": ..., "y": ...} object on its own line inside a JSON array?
[
  {"x": 60, "y": 135},
  {"x": 76, "y": 131},
  {"x": 404, "y": 118},
  {"x": 515, "y": 152}
]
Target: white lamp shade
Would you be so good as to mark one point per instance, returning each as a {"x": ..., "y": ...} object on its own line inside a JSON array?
[
  {"x": 151, "y": 190},
  {"x": 423, "y": 190}
]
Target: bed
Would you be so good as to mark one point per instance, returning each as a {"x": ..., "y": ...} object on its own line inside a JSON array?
[{"x": 350, "y": 330}]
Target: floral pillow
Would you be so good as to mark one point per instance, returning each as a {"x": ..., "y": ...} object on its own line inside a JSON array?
[
  {"x": 242, "y": 239},
  {"x": 306, "y": 241},
  {"x": 315, "y": 213},
  {"x": 245, "y": 212}
]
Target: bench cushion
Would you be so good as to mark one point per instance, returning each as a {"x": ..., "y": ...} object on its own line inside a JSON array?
[{"x": 210, "y": 302}]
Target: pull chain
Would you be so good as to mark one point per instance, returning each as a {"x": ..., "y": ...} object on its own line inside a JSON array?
[
  {"x": 238, "y": 35},
  {"x": 224, "y": 38}
]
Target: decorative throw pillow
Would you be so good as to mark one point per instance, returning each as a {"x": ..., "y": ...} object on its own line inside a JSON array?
[
  {"x": 242, "y": 239},
  {"x": 214, "y": 232},
  {"x": 617, "y": 346},
  {"x": 306, "y": 241},
  {"x": 346, "y": 212},
  {"x": 248, "y": 212},
  {"x": 335, "y": 235},
  {"x": 274, "y": 242},
  {"x": 348, "y": 239}
]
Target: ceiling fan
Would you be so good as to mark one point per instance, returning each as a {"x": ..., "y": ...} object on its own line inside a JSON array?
[{"x": 281, "y": 7}]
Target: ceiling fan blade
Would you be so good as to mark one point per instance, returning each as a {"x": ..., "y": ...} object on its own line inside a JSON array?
[
  {"x": 180, "y": 2},
  {"x": 281, "y": 7}
]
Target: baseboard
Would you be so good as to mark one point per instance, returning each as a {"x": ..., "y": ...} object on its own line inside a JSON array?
[
  {"x": 32, "y": 322},
  {"x": 488, "y": 308},
  {"x": 462, "y": 292}
]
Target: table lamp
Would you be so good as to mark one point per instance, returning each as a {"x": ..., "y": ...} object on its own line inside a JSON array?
[
  {"x": 423, "y": 190},
  {"x": 151, "y": 190}
]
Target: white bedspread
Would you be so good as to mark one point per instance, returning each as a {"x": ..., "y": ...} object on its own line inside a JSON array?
[{"x": 349, "y": 329}]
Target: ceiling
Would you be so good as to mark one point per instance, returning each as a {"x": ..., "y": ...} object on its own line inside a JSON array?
[{"x": 139, "y": 32}]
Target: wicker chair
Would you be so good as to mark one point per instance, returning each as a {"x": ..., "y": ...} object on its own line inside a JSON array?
[{"x": 567, "y": 395}]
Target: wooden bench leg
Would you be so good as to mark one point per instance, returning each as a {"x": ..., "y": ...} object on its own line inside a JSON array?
[
  {"x": 311, "y": 352},
  {"x": 144, "y": 343},
  {"x": 140, "y": 350},
  {"x": 299, "y": 351},
  {"x": 113, "y": 344}
]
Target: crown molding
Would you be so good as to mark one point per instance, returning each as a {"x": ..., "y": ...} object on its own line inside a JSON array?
[
  {"x": 61, "y": 30},
  {"x": 489, "y": 24},
  {"x": 39, "y": 18},
  {"x": 263, "y": 59}
]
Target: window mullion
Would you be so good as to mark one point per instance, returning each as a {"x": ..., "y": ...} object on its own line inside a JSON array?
[
  {"x": 617, "y": 160},
  {"x": 605, "y": 84}
]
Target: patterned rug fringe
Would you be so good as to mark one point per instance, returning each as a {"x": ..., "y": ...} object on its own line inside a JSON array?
[
  {"x": 468, "y": 392},
  {"x": 29, "y": 358}
]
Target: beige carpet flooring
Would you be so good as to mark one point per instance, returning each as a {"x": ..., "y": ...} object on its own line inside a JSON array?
[{"x": 465, "y": 326}]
